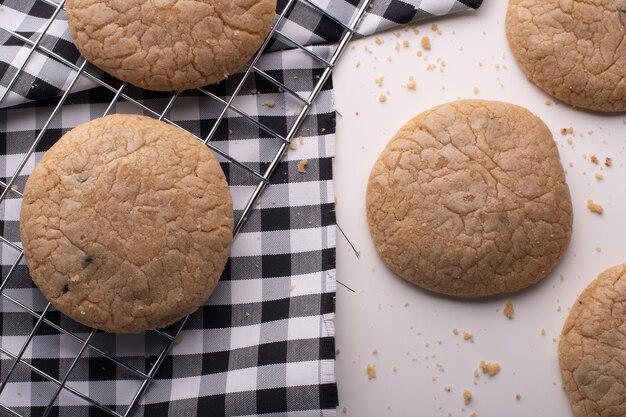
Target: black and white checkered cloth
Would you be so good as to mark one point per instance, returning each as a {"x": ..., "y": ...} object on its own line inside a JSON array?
[{"x": 264, "y": 342}]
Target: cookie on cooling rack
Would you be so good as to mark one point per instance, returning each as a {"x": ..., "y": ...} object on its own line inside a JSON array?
[
  {"x": 573, "y": 50},
  {"x": 591, "y": 350},
  {"x": 469, "y": 199},
  {"x": 169, "y": 45},
  {"x": 126, "y": 223}
]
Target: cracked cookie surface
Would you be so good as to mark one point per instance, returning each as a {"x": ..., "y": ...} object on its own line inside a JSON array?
[
  {"x": 469, "y": 199},
  {"x": 592, "y": 350},
  {"x": 126, "y": 223},
  {"x": 169, "y": 45},
  {"x": 574, "y": 50}
]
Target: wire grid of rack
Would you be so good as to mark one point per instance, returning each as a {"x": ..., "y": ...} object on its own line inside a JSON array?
[{"x": 166, "y": 337}]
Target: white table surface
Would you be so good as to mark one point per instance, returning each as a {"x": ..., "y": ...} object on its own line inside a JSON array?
[{"x": 411, "y": 328}]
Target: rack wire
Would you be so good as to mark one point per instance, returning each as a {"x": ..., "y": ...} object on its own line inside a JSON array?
[{"x": 162, "y": 339}]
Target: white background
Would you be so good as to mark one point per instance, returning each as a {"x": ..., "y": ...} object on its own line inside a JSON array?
[{"x": 412, "y": 329}]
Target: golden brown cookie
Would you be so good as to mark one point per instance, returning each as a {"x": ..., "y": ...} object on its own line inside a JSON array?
[
  {"x": 592, "y": 352},
  {"x": 469, "y": 199},
  {"x": 574, "y": 50},
  {"x": 126, "y": 223},
  {"x": 169, "y": 45}
]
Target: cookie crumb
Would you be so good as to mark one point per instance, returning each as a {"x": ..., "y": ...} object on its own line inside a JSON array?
[
  {"x": 292, "y": 287},
  {"x": 518, "y": 396},
  {"x": 378, "y": 41},
  {"x": 382, "y": 98},
  {"x": 473, "y": 414},
  {"x": 270, "y": 103},
  {"x": 434, "y": 27},
  {"x": 598, "y": 249},
  {"x": 293, "y": 146},
  {"x": 542, "y": 331},
  {"x": 594, "y": 207},
  {"x": 371, "y": 371},
  {"x": 379, "y": 81},
  {"x": 344, "y": 409},
  {"x": 593, "y": 159},
  {"x": 447, "y": 388},
  {"x": 468, "y": 336},
  {"x": 411, "y": 84},
  {"x": 476, "y": 90},
  {"x": 426, "y": 43},
  {"x": 508, "y": 311},
  {"x": 405, "y": 43},
  {"x": 455, "y": 331},
  {"x": 337, "y": 351},
  {"x": 302, "y": 165},
  {"x": 375, "y": 351},
  {"x": 490, "y": 368},
  {"x": 608, "y": 161},
  {"x": 467, "y": 396},
  {"x": 598, "y": 176}
]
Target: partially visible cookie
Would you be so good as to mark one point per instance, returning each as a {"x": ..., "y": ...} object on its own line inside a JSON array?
[
  {"x": 592, "y": 350},
  {"x": 469, "y": 199},
  {"x": 169, "y": 45},
  {"x": 126, "y": 223},
  {"x": 574, "y": 50}
]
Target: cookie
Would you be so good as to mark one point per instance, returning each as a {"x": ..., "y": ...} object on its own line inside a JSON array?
[
  {"x": 469, "y": 199},
  {"x": 126, "y": 223},
  {"x": 591, "y": 351},
  {"x": 574, "y": 50},
  {"x": 169, "y": 45}
]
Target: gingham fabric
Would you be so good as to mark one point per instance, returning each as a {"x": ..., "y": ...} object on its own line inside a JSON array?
[{"x": 264, "y": 342}]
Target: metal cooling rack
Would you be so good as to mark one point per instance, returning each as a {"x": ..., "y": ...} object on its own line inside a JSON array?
[{"x": 167, "y": 337}]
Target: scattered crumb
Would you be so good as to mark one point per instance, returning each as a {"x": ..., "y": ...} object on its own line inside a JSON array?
[
  {"x": 548, "y": 103},
  {"x": 476, "y": 90},
  {"x": 542, "y": 332},
  {"x": 598, "y": 176},
  {"x": 292, "y": 287},
  {"x": 405, "y": 43},
  {"x": 382, "y": 98},
  {"x": 594, "y": 207},
  {"x": 608, "y": 161},
  {"x": 473, "y": 414},
  {"x": 270, "y": 103},
  {"x": 293, "y": 146},
  {"x": 508, "y": 309},
  {"x": 593, "y": 159},
  {"x": 302, "y": 165},
  {"x": 179, "y": 339},
  {"x": 455, "y": 331},
  {"x": 14, "y": 187},
  {"x": 411, "y": 84},
  {"x": 598, "y": 249},
  {"x": 467, "y": 396},
  {"x": 490, "y": 368},
  {"x": 337, "y": 351},
  {"x": 518, "y": 396},
  {"x": 394, "y": 369},
  {"x": 75, "y": 278},
  {"x": 434, "y": 27},
  {"x": 344, "y": 409},
  {"x": 468, "y": 336},
  {"x": 476, "y": 373},
  {"x": 447, "y": 388},
  {"x": 426, "y": 43},
  {"x": 378, "y": 41},
  {"x": 371, "y": 371},
  {"x": 375, "y": 351},
  {"x": 379, "y": 81}
]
